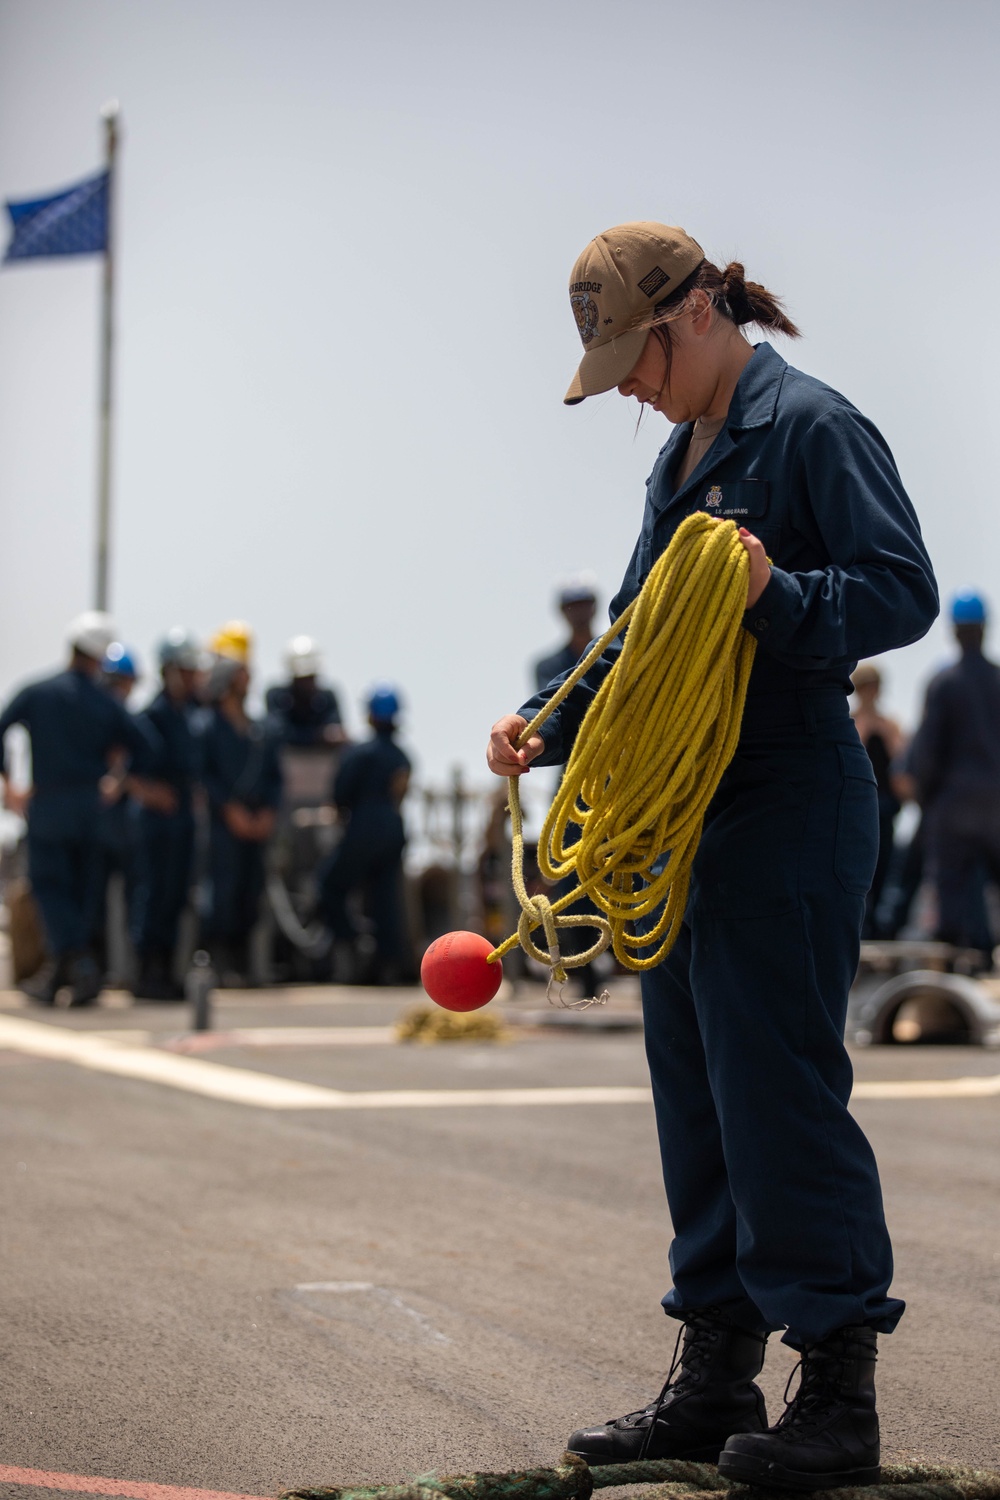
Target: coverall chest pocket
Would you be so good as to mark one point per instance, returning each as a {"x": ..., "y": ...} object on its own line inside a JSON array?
[
  {"x": 856, "y": 850},
  {"x": 747, "y": 502},
  {"x": 744, "y": 501}
]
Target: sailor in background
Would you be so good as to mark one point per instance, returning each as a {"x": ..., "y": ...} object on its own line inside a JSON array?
[
  {"x": 164, "y": 826},
  {"x": 74, "y": 727}
]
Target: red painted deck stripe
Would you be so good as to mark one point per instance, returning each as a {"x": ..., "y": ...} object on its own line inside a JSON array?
[{"x": 89, "y": 1485}]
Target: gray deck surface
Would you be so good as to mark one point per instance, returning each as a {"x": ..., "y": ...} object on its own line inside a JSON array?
[{"x": 211, "y": 1294}]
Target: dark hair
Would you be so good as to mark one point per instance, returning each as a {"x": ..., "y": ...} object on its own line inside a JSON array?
[{"x": 736, "y": 299}]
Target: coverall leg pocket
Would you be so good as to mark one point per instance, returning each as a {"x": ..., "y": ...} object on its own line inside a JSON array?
[{"x": 856, "y": 849}]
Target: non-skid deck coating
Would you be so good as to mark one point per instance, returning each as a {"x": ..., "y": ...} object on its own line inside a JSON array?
[{"x": 248, "y": 1300}]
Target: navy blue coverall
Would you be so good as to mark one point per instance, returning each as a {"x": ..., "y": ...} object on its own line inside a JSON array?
[
  {"x": 371, "y": 852},
  {"x": 548, "y": 668},
  {"x": 163, "y": 843},
  {"x": 773, "y": 1189},
  {"x": 955, "y": 758},
  {"x": 241, "y": 768},
  {"x": 73, "y": 725},
  {"x": 117, "y": 851},
  {"x": 299, "y": 720}
]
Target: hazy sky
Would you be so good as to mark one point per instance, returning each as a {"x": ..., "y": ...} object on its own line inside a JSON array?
[{"x": 346, "y": 233}]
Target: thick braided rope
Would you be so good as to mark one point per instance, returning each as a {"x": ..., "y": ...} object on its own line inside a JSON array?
[
  {"x": 677, "y": 1480},
  {"x": 628, "y": 815}
]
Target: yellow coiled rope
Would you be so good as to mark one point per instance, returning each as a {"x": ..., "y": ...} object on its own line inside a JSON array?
[{"x": 649, "y": 756}]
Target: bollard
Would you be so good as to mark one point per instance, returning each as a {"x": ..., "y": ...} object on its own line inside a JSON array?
[{"x": 198, "y": 988}]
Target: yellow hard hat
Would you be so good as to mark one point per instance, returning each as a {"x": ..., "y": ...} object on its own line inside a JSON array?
[{"x": 234, "y": 640}]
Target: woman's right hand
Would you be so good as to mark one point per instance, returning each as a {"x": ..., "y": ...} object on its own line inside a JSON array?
[{"x": 502, "y": 754}]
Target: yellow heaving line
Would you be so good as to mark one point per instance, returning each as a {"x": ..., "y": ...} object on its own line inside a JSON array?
[{"x": 649, "y": 756}]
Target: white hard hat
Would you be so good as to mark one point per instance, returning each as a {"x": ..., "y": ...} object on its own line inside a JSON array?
[
  {"x": 302, "y": 657},
  {"x": 92, "y": 633},
  {"x": 578, "y": 588}
]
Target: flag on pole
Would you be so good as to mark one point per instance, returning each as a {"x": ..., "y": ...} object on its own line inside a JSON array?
[{"x": 73, "y": 222}]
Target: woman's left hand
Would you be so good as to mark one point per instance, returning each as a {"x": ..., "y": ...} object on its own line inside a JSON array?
[{"x": 760, "y": 568}]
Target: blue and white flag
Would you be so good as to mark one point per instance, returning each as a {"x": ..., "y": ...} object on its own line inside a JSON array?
[{"x": 73, "y": 222}]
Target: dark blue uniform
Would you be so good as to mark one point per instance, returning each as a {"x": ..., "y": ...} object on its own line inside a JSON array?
[
  {"x": 556, "y": 665},
  {"x": 73, "y": 724},
  {"x": 117, "y": 851},
  {"x": 888, "y": 811},
  {"x": 955, "y": 758},
  {"x": 773, "y": 1189},
  {"x": 235, "y": 767},
  {"x": 298, "y": 719},
  {"x": 371, "y": 852},
  {"x": 163, "y": 843}
]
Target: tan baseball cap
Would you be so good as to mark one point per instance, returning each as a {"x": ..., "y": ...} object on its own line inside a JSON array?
[{"x": 613, "y": 290}]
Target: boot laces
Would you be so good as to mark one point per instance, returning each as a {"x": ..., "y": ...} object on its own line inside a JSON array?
[
  {"x": 817, "y": 1394},
  {"x": 696, "y": 1339}
]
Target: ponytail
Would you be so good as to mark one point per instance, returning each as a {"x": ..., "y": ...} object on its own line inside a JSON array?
[
  {"x": 736, "y": 299},
  {"x": 749, "y": 302}
]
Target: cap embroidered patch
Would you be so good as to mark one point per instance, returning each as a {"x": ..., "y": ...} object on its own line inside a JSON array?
[{"x": 586, "y": 314}]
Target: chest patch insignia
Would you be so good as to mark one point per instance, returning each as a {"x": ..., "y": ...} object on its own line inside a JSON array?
[{"x": 714, "y": 497}]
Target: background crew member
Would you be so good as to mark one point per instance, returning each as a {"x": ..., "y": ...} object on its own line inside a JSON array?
[
  {"x": 163, "y": 828},
  {"x": 956, "y": 763},
  {"x": 234, "y": 640},
  {"x": 773, "y": 1189},
  {"x": 119, "y": 675},
  {"x": 242, "y": 780},
  {"x": 73, "y": 726},
  {"x": 300, "y": 711},
  {"x": 883, "y": 739},
  {"x": 577, "y": 600},
  {"x": 368, "y": 791}
]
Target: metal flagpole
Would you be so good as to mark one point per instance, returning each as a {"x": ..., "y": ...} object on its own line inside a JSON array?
[{"x": 109, "y": 115}]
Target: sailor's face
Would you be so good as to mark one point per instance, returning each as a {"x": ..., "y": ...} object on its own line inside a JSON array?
[{"x": 682, "y": 387}]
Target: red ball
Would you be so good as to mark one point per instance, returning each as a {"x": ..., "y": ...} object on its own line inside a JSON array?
[{"x": 455, "y": 974}]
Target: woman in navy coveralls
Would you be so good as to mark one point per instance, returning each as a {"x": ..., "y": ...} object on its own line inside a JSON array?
[{"x": 773, "y": 1189}]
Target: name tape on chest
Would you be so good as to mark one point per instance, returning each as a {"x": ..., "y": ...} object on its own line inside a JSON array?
[{"x": 717, "y": 505}]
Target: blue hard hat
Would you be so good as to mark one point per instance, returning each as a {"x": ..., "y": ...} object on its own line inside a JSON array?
[
  {"x": 383, "y": 702},
  {"x": 968, "y": 608},
  {"x": 119, "y": 661}
]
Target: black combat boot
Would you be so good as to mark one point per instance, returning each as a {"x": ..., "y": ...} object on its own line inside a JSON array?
[
  {"x": 155, "y": 981},
  {"x": 712, "y": 1397},
  {"x": 86, "y": 978},
  {"x": 44, "y": 986},
  {"x": 828, "y": 1435}
]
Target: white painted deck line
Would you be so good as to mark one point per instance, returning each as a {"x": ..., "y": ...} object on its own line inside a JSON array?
[
  {"x": 263, "y": 1090},
  {"x": 278, "y": 1036},
  {"x": 213, "y": 1080},
  {"x": 930, "y": 1088}
]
